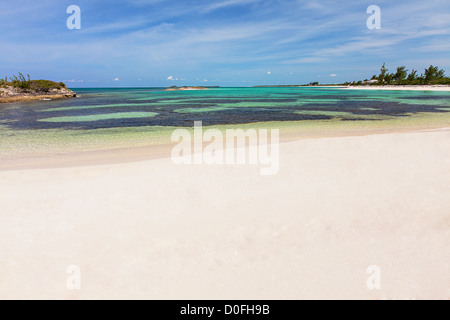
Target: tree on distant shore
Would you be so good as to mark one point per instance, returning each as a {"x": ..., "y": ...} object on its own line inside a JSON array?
[
  {"x": 433, "y": 73},
  {"x": 401, "y": 74},
  {"x": 412, "y": 76},
  {"x": 383, "y": 73}
]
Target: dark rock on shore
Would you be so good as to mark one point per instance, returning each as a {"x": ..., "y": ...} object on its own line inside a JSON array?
[{"x": 9, "y": 93}]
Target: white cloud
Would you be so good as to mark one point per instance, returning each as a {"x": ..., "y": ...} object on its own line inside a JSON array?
[
  {"x": 269, "y": 73},
  {"x": 116, "y": 79},
  {"x": 333, "y": 75},
  {"x": 72, "y": 81},
  {"x": 170, "y": 78}
]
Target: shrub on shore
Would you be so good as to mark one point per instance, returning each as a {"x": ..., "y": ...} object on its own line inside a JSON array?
[
  {"x": 26, "y": 84},
  {"x": 46, "y": 85},
  {"x": 20, "y": 81}
]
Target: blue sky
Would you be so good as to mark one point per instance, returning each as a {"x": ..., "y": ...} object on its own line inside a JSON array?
[{"x": 219, "y": 42}]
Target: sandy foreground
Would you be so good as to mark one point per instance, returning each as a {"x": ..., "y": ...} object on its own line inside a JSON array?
[{"x": 155, "y": 230}]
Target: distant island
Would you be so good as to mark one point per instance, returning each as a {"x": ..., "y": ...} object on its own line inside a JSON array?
[
  {"x": 20, "y": 88},
  {"x": 175, "y": 88}
]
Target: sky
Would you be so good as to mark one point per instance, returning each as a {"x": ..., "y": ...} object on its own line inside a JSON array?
[{"x": 153, "y": 43}]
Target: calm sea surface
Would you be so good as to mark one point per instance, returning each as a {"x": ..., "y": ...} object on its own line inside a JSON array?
[{"x": 139, "y": 107}]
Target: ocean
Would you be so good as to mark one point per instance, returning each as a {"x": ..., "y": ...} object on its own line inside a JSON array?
[{"x": 154, "y": 107}]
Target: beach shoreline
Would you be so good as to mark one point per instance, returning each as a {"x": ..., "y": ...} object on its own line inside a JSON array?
[
  {"x": 445, "y": 88},
  {"x": 134, "y": 150},
  {"x": 370, "y": 87}
]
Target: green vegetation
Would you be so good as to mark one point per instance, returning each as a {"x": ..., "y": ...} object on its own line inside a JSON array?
[
  {"x": 46, "y": 85},
  {"x": 18, "y": 81},
  {"x": 26, "y": 84},
  {"x": 432, "y": 75}
]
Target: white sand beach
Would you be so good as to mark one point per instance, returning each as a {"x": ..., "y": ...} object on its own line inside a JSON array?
[
  {"x": 154, "y": 230},
  {"x": 399, "y": 88}
]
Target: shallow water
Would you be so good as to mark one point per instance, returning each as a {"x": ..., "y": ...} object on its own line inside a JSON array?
[{"x": 137, "y": 107}]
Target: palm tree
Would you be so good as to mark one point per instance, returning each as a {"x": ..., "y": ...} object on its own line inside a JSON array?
[
  {"x": 401, "y": 74},
  {"x": 412, "y": 76},
  {"x": 433, "y": 73}
]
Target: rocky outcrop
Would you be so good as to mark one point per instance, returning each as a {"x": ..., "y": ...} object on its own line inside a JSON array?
[{"x": 12, "y": 94}]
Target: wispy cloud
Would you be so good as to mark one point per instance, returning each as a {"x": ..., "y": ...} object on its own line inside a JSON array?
[
  {"x": 227, "y": 3},
  {"x": 122, "y": 26}
]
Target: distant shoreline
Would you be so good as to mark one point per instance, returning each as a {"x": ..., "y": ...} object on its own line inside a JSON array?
[
  {"x": 371, "y": 87},
  {"x": 398, "y": 88}
]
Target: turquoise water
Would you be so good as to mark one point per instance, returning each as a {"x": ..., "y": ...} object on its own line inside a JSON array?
[{"x": 140, "y": 107}]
